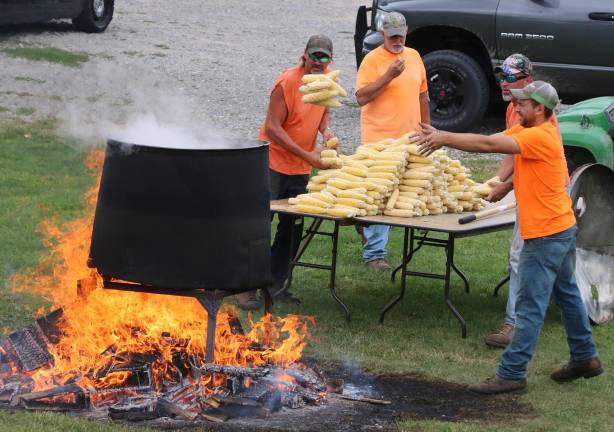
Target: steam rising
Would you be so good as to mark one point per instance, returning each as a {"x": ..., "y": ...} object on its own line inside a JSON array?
[{"x": 132, "y": 106}]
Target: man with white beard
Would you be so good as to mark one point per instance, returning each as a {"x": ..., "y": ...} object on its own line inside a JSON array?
[{"x": 391, "y": 88}]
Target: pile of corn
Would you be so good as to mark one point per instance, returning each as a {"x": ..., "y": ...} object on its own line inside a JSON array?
[
  {"x": 390, "y": 177},
  {"x": 322, "y": 89}
]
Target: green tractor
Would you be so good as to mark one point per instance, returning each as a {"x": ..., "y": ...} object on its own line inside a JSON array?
[{"x": 588, "y": 132}]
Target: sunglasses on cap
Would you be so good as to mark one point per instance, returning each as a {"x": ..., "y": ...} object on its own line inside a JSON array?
[
  {"x": 511, "y": 78},
  {"x": 319, "y": 57}
]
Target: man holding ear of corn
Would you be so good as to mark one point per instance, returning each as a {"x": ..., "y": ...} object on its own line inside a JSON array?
[
  {"x": 515, "y": 72},
  {"x": 291, "y": 128},
  {"x": 391, "y": 88},
  {"x": 547, "y": 226}
]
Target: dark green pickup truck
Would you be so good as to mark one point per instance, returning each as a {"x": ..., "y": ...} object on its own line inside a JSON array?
[{"x": 570, "y": 42}]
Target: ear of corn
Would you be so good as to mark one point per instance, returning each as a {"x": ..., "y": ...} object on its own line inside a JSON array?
[
  {"x": 392, "y": 200},
  {"x": 318, "y": 96}
]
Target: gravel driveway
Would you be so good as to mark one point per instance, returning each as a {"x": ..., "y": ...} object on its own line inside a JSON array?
[{"x": 198, "y": 64}]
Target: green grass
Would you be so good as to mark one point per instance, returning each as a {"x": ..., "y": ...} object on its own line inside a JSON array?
[
  {"x": 25, "y": 111},
  {"x": 48, "y": 54},
  {"x": 29, "y": 79},
  {"x": 41, "y": 175}
]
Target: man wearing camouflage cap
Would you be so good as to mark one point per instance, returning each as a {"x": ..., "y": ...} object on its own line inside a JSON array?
[
  {"x": 391, "y": 88},
  {"x": 548, "y": 228},
  {"x": 515, "y": 72}
]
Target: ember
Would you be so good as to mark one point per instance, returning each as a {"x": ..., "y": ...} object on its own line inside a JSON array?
[{"x": 139, "y": 356}]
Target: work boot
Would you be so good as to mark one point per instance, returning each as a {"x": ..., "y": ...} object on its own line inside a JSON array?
[
  {"x": 379, "y": 264},
  {"x": 501, "y": 338},
  {"x": 574, "y": 370},
  {"x": 498, "y": 385},
  {"x": 286, "y": 297},
  {"x": 248, "y": 300}
]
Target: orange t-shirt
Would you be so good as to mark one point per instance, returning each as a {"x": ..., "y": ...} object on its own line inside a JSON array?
[
  {"x": 301, "y": 124},
  {"x": 395, "y": 111},
  {"x": 544, "y": 208},
  {"x": 512, "y": 118}
]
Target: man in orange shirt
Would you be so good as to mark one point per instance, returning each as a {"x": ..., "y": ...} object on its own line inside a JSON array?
[
  {"x": 392, "y": 91},
  {"x": 548, "y": 228},
  {"x": 291, "y": 128},
  {"x": 515, "y": 72}
]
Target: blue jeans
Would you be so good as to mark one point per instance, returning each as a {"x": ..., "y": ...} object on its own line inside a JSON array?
[
  {"x": 547, "y": 266},
  {"x": 512, "y": 293},
  {"x": 289, "y": 228},
  {"x": 377, "y": 239}
]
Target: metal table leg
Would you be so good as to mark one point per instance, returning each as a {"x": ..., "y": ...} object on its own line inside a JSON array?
[
  {"x": 462, "y": 276},
  {"x": 305, "y": 241},
  {"x": 449, "y": 265},
  {"x": 294, "y": 261},
  {"x": 406, "y": 259},
  {"x": 333, "y": 272},
  {"x": 502, "y": 282}
]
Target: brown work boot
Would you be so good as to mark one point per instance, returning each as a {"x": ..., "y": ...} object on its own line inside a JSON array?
[
  {"x": 248, "y": 300},
  {"x": 379, "y": 264},
  {"x": 501, "y": 338},
  {"x": 498, "y": 385},
  {"x": 574, "y": 370}
]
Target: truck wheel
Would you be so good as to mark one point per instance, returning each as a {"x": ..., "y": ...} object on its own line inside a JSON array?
[
  {"x": 458, "y": 89},
  {"x": 95, "y": 17}
]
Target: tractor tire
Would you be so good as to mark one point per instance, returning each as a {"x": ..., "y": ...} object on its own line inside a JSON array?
[
  {"x": 458, "y": 90},
  {"x": 95, "y": 17}
]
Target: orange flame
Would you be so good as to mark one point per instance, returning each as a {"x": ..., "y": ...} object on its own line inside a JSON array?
[{"x": 96, "y": 328}]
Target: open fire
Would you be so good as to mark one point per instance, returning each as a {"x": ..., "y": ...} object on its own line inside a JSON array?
[{"x": 141, "y": 356}]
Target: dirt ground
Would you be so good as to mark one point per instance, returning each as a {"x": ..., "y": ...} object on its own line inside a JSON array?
[{"x": 198, "y": 64}]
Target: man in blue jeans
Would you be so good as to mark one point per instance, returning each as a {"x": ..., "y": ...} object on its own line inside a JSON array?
[
  {"x": 515, "y": 72},
  {"x": 547, "y": 226}
]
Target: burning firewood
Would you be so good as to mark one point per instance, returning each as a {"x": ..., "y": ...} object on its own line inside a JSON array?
[{"x": 234, "y": 370}]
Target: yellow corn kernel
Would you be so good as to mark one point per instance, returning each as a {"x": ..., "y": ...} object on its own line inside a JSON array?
[
  {"x": 318, "y": 96},
  {"x": 332, "y": 143},
  {"x": 352, "y": 202},
  {"x": 315, "y": 187},
  {"x": 392, "y": 200},
  {"x": 383, "y": 175},
  {"x": 418, "y": 183},
  {"x": 419, "y": 159},
  {"x": 357, "y": 172},
  {"x": 303, "y": 208},
  {"x": 418, "y": 190},
  {"x": 418, "y": 175},
  {"x": 342, "y": 212},
  {"x": 399, "y": 213},
  {"x": 328, "y": 153}
]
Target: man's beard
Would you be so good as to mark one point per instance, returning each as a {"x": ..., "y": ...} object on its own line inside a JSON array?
[{"x": 396, "y": 49}]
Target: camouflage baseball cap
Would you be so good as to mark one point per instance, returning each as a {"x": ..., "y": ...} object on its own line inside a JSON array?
[
  {"x": 320, "y": 43},
  {"x": 393, "y": 24},
  {"x": 540, "y": 91},
  {"x": 515, "y": 63}
]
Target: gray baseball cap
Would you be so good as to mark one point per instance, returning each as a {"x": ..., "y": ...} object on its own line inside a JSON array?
[
  {"x": 393, "y": 24},
  {"x": 320, "y": 43},
  {"x": 540, "y": 91}
]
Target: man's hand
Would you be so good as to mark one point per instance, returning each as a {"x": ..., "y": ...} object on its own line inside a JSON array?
[
  {"x": 429, "y": 139},
  {"x": 313, "y": 158},
  {"x": 327, "y": 134},
  {"x": 499, "y": 190},
  {"x": 396, "y": 68}
]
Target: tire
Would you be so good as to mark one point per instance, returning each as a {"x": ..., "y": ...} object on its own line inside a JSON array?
[
  {"x": 95, "y": 17},
  {"x": 458, "y": 90}
]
